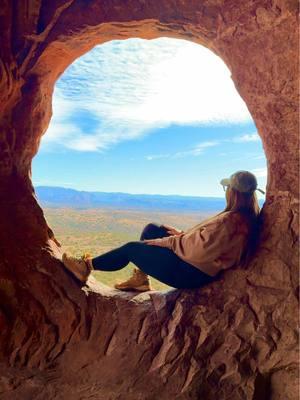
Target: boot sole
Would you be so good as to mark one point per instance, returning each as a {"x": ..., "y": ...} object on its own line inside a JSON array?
[
  {"x": 76, "y": 274},
  {"x": 79, "y": 277}
]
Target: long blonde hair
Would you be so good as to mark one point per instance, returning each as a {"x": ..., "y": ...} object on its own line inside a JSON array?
[
  {"x": 242, "y": 202},
  {"x": 247, "y": 204}
]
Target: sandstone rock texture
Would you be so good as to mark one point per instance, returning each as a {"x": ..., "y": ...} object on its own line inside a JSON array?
[{"x": 235, "y": 339}]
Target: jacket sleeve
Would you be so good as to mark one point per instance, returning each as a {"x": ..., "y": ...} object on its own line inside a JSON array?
[{"x": 202, "y": 245}]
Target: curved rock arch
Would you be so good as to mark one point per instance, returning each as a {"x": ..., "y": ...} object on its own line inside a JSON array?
[{"x": 235, "y": 338}]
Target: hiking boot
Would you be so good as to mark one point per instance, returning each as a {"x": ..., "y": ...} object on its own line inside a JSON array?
[
  {"x": 80, "y": 267},
  {"x": 139, "y": 281}
]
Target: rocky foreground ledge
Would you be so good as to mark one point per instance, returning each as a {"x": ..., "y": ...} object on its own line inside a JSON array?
[{"x": 185, "y": 344}]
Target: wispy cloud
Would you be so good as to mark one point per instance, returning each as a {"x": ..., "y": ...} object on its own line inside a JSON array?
[
  {"x": 248, "y": 137},
  {"x": 157, "y": 156},
  {"x": 125, "y": 89},
  {"x": 197, "y": 150}
]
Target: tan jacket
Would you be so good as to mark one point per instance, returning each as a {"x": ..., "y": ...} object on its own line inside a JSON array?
[{"x": 212, "y": 245}]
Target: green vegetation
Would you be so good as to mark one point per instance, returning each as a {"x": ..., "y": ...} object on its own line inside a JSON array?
[{"x": 99, "y": 230}]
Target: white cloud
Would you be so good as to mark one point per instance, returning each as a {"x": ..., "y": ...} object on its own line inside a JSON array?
[
  {"x": 248, "y": 137},
  {"x": 131, "y": 87},
  {"x": 200, "y": 147},
  {"x": 157, "y": 156},
  {"x": 195, "y": 151}
]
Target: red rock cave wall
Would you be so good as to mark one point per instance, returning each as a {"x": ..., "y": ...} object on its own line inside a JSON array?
[{"x": 235, "y": 339}]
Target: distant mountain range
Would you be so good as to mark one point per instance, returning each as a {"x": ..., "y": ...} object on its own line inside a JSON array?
[
  {"x": 50, "y": 196},
  {"x": 62, "y": 197}
]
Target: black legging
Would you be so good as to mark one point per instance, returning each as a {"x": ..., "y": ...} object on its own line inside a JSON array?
[{"x": 159, "y": 262}]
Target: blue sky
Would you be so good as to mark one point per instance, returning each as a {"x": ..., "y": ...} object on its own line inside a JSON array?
[{"x": 137, "y": 116}]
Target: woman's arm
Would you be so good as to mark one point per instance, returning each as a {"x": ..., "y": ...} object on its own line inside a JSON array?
[
  {"x": 203, "y": 244},
  {"x": 163, "y": 242},
  {"x": 173, "y": 231},
  {"x": 154, "y": 242}
]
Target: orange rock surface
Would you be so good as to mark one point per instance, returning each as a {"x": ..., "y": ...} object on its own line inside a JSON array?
[{"x": 237, "y": 338}]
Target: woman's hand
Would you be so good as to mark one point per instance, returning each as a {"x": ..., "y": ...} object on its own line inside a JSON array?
[{"x": 173, "y": 231}]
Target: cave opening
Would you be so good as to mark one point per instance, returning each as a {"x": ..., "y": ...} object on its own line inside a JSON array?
[
  {"x": 128, "y": 117},
  {"x": 58, "y": 341}
]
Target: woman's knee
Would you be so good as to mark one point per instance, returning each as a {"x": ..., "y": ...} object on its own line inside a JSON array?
[
  {"x": 151, "y": 226},
  {"x": 149, "y": 230}
]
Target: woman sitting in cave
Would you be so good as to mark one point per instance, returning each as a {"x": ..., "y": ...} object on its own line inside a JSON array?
[{"x": 188, "y": 259}]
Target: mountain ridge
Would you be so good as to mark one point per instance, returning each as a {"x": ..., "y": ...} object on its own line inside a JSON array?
[{"x": 56, "y": 196}]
